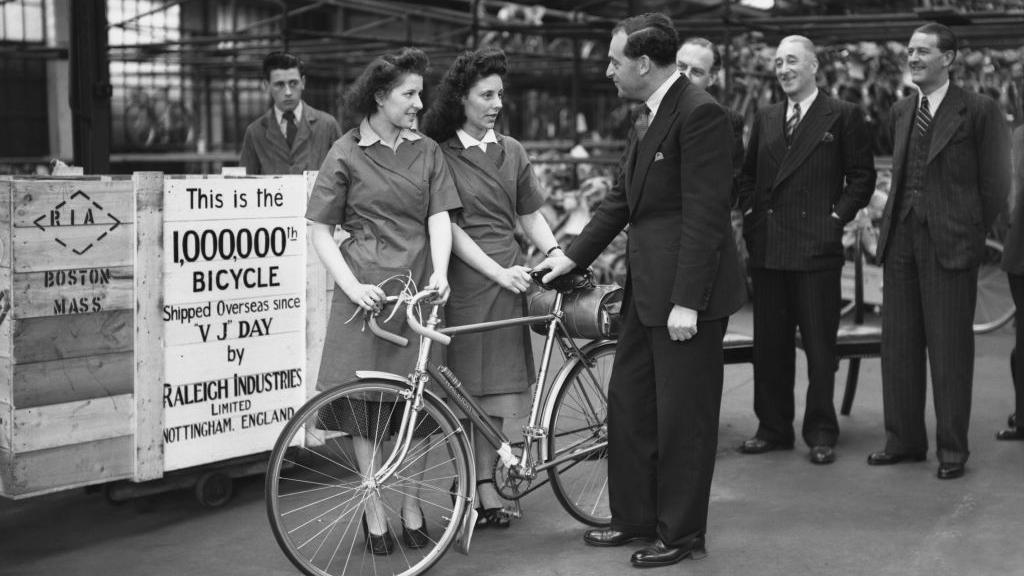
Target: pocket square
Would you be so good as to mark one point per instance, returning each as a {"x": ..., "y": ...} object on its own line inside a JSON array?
[
  {"x": 658, "y": 156},
  {"x": 828, "y": 137}
]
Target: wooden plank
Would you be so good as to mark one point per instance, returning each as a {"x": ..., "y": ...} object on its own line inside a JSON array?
[
  {"x": 50, "y": 203},
  {"x": 45, "y": 427},
  {"x": 74, "y": 291},
  {"x": 5, "y": 312},
  {"x": 6, "y": 425},
  {"x": 61, "y": 337},
  {"x": 5, "y": 327},
  {"x": 87, "y": 246},
  {"x": 71, "y": 379},
  {"x": 222, "y": 199},
  {"x": 147, "y": 448},
  {"x": 6, "y": 190},
  {"x": 6, "y": 381},
  {"x": 5, "y": 243},
  {"x": 45, "y": 471}
]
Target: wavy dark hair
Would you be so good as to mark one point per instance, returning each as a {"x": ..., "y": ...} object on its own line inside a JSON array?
[
  {"x": 382, "y": 75},
  {"x": 282, "y": 61},
  {"x": 446, "y": 113},
  {"x": 651, "y": 34}
]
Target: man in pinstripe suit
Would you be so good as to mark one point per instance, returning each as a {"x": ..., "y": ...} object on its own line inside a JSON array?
[
  {"x": 950, "y": 180},
  {"x": 808, "y": 170}
]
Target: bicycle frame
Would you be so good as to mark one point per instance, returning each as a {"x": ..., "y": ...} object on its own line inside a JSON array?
[{"x": 532, "y": 431}]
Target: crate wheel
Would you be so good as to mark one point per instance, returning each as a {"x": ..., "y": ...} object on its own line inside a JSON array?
[{"x": 213, "y": 489}]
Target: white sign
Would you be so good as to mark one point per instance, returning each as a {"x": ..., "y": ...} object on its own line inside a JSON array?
[{"x": 234, "y": 315}]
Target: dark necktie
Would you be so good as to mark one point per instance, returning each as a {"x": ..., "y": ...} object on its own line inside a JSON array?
[
  {"x": 924, "y": 116},
  {"x": 643, "y": 122},
  {"x": 290, "y": 128},
  {"x": 792, "y": 122}
]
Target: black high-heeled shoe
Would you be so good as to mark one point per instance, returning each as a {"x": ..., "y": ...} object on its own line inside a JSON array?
[
  {"x": 492, "y": 517},
  {"x": 1011, "y": 420},
  {"x": 378, "y": 545},
  {"x": 415, "y": 537}
]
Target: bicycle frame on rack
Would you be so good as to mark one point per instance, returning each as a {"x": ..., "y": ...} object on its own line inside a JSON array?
[{"x": 523, "y": 465}]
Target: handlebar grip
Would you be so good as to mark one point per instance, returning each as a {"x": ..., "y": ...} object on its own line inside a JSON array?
[
  {"x": 371, "y": 321},
  {"x": 410, "y": 314}
]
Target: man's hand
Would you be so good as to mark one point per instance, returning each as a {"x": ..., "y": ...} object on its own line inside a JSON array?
[
  {"x": 682, "y": 323},
  {"x": 558, "y": 264}
]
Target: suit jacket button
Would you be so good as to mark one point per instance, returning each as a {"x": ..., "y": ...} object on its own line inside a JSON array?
[{"x": 771, "y": 211}]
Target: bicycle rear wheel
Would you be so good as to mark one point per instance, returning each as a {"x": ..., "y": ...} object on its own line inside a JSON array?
[
  {"x": 317, "y": 493},
  {"x": 578, "y": 424},
  {"x": 994, "y": 306}
]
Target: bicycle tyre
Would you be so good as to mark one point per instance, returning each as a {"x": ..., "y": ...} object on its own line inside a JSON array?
[
  {"x": 315, "y": 491},
  {"x": 576, "y": 418},
  {"x": 994, "y": 306}
]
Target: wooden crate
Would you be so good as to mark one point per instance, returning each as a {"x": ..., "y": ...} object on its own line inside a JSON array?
[{"x": 66, "y": 333}]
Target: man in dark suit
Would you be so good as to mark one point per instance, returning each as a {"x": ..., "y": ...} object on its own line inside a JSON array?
[
  {"x": 292, "y": 136},
  {"x": 808, "y": 170},
  {"x": 1013, "y": 264},
  {"x": 950, "y": 180},
  {"x": 700, "y": 61},
  {"x": 682, "y": 284}
]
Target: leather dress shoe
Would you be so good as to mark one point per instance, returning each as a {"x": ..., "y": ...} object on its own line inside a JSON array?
[
  {"x": 757, "y": 445},
  {"x": 822, "y": 455},
  {"x": 660, "y": 554},
  {"x": 950, "y": 470},
  {"x": 608, "y": 537},
  {"x": 1012, "y": 433},
  {"x": 883, "y": 458}
]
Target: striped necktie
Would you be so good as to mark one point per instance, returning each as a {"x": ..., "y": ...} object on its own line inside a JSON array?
[
  {"x": 924, "y": 116},
  {"x": 792, "y": 122},
  {"x": 643, "y": 122}
]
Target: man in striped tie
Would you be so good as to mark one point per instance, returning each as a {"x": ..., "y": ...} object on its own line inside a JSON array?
[
  {"x": 950, "y": 180},
  {"x": 808, "y": 171}
]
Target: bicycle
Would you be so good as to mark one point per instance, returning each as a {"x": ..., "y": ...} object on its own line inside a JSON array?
[{"x": 316, "y": 489}]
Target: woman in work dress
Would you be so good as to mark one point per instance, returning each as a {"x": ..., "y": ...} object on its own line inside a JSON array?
[
  {"x": 497, "y": 188},
  {"x": 390, "y": 190}
]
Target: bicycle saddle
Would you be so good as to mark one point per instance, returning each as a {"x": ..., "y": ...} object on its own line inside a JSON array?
[{"x": 575, "y": 279}]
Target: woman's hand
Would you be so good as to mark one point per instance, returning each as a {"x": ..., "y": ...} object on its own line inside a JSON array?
[
  {"x": 439, "y": 281},
  {"x": 366, "y": 296},
  {"x": 515, "y": 279}
]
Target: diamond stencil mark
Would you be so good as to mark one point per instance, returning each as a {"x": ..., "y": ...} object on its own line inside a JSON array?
[{"x": 78, "y": 210}]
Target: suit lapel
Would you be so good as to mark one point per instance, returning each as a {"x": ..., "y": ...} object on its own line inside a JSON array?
[
  {"x": 947, "y": 119},
  {"x": 274, "y": 136},
  {"x": 901, "y": 138},
  {"x": 646, "y": 148},
  {"x": 775, "y": 131},
  {"x": 808, "y": 135},
  {"x": 305, "y": 127}
]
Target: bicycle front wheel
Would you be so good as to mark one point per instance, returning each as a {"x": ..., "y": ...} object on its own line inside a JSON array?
[
  {"x": 577, "y": 426},
  {"x": 320, "y": 483}
]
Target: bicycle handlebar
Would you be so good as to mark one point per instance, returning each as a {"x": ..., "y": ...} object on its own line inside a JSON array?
[
  {"x": 371, "y": 321},
  {"x": 410, "y": 316}
]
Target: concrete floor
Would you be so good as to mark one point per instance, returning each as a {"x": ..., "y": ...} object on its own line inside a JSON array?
[{"x": 772, "y": 514}]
